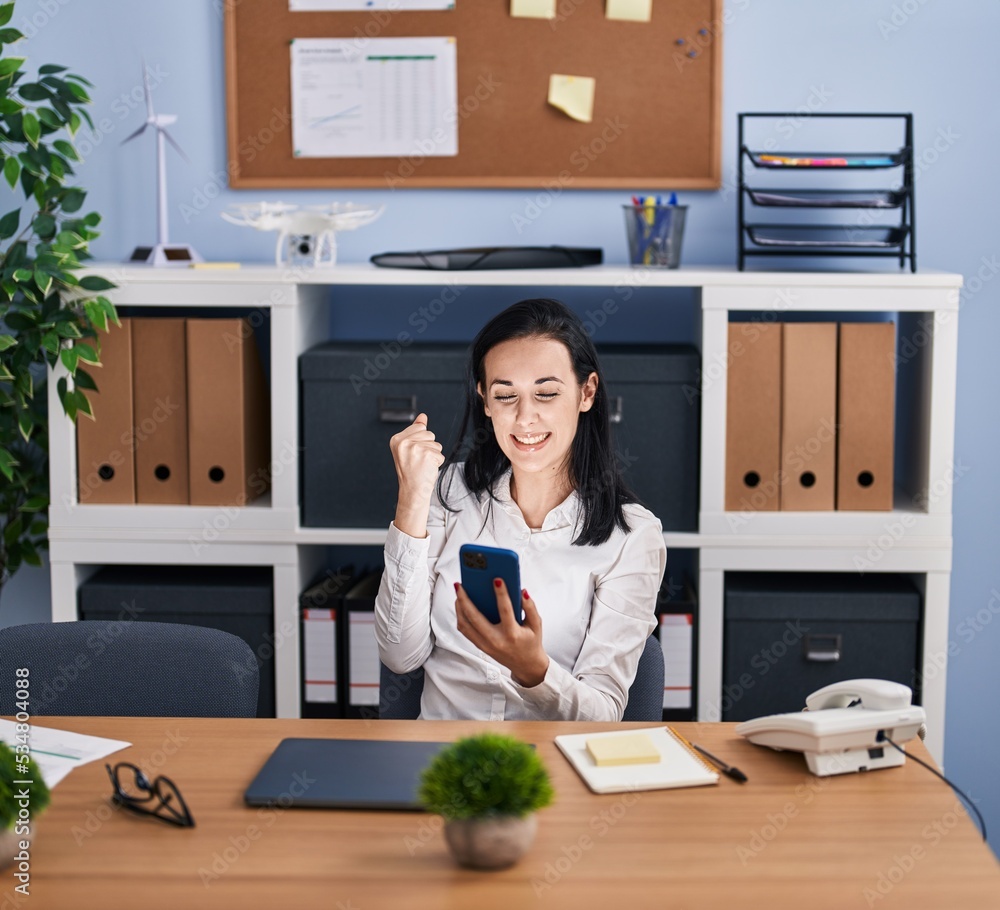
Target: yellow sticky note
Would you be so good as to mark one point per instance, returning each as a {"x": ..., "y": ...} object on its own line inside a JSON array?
[
  {"x": 533, "y": 9},
  {"x": 574, "y": 95},
  {"x": 629, "y": 10},
  {"x": 635, "y": 749}
]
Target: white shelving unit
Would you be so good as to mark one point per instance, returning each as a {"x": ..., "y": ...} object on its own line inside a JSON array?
[{"x": 915, "y": 538}]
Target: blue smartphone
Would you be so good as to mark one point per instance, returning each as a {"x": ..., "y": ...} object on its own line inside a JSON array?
[{"x": 480, "y": 565}]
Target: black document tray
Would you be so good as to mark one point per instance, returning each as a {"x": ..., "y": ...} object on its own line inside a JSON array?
[{"x": 826, "y": 235}]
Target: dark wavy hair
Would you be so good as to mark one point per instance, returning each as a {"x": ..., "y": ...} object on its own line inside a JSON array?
[{"x": 593, "y": 467}]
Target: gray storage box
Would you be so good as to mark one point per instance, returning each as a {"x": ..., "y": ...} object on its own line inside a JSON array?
[
  {"x": 789, "y": 634},
  {"x": 235, "y": 599},
  {"x": 654, "y": 405},
  {"x": 355, "y": 396}
]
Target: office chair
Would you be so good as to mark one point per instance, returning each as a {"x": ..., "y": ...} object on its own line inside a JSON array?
[
  {"x": 128, "y": 669},
  {"x": 399, "y": 693}
]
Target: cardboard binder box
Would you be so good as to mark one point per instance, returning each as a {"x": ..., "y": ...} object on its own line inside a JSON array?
[
  {"x": 229, "y": 414},
  {"x": 866, "y": 415},
  {"x": 105, "y": 469},
  {"x": 753, "y": 417},
  {"x": 808, "y": 416},
  {"x": 159, "y": 393}
]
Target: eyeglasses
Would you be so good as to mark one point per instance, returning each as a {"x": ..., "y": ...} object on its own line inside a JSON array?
[{"x": 134, "y": 791}]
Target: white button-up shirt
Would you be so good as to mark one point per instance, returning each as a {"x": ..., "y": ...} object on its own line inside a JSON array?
[{"x": 597, "y": 606}]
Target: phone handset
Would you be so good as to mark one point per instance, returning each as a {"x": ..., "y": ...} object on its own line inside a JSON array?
[{"x": 874, "y": 694}]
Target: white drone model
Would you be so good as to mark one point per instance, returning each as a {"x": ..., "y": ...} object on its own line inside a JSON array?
[{"x": 307, "y": 233}]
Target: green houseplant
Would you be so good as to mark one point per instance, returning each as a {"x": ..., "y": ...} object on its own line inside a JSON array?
[
  {"x": 487, "y": 788},
  {"x": 48, "y": 314},
  {"x": 19, "y": 803}
]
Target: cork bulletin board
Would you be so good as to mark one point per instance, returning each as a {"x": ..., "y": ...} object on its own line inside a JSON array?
[{"x": 656, "y": 119}]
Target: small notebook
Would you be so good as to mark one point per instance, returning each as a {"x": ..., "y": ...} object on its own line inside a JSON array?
[{"x": 679, "y": 766}]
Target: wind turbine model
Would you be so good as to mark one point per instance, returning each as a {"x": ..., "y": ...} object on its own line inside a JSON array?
[{"x": 164, "y": 253}]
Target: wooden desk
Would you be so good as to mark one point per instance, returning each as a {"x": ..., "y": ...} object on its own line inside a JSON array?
[{"x": 786, "y": 839}]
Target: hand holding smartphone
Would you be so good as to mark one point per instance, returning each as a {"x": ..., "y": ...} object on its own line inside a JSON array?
[{"x": 480, "y": 565}]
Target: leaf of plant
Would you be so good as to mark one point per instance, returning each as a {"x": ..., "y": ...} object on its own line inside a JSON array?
[
  {"x": 7, "y": 464},
  {"x": 5, "y": 374},
  {"x": 66, "y": 149},
  {"x": 84, "y": 380},
  {"x": 9, "y": 35},
  {"x": 95, "y": 313},
  {"x": 70, "y": 359},
  {"x": 31, "y": 127},
  {"x": 87, "y": 353},
  {"x": 96, "y": 283},
  {"x": 10, "y": 65},
  {"x": 11, "y": 171},
  {"x": 7, "y": 341},
  {"x": 25, "y": 425},
  {"x": 73, "y": 199},
  {"x": 83, "y": 403},
  {"x": 33, "y": 91},
  {"x": 34, "y": 504},
  {"x": 43, "y": 280},
  {"x": 9, "y": 223},
  {"x": 30, "y": 554},
  {"x": 45, "y": 225},
  {"x": 78, "y": 91},
  {"x": 50, "y": 118},
  {"x": 6, "y": 12},
  {"x": 10, "y": 106}
]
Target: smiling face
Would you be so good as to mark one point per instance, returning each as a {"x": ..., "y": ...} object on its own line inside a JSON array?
[{"x": 534, "y": 401}]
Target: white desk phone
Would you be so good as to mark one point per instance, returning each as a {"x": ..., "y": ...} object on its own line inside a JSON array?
[{"x": 843, "y": 727}]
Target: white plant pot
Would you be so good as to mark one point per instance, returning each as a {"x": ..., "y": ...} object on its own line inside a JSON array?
[{"x": 490, "y": 843}]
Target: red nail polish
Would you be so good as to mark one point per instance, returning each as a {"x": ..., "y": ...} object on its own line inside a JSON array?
[
  {"x": 456, "y": 587},
  {"x": 497, "y": 582},
  {"x": 525, "y": 594}
]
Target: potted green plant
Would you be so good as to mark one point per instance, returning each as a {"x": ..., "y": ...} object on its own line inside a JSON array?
[
  {"x": 48, "y": 314},
  {"x": 487, "y": 788},
  {"x": 19, "y": 802}
]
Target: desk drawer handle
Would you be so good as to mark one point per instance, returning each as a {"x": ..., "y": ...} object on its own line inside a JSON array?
[
  {"x": 822, "y": 648},
  {"x": 397, "y": 408}
]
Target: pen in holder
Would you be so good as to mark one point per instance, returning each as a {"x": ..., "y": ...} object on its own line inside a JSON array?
[{"x": 655, "y": 233}]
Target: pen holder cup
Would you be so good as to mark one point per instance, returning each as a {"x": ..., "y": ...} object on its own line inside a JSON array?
[{"x": 655, "y": 234}]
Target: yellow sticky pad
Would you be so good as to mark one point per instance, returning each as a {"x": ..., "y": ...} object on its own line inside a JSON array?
[
  {"x": 533, "y": 9},
  {"x": 637, "y": 749},
  {"x": 629, "y": 10},
  {"x": 573, "y": 95}
]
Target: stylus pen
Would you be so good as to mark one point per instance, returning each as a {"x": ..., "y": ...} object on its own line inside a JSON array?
[{"x": 728, "y": 770}]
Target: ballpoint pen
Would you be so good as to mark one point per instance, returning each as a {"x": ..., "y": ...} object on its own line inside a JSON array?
[{"x": 735, "y": 773}]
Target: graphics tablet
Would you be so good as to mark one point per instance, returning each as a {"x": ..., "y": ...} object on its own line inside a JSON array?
[{"x": 342, "y": 774}]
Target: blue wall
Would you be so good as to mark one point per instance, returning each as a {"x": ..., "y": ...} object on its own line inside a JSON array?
[{"x": 935, "y": 58}]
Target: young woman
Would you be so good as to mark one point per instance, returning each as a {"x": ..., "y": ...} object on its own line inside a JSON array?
[{"x": 539, "y": 478}]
